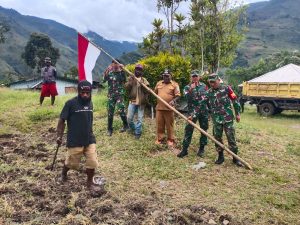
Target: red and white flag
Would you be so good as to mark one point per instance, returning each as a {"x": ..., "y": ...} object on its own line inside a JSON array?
[{"x": 87, "y": 57}]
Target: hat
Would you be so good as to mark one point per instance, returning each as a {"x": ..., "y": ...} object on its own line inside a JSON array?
[
  {"x": 85, "y": 86},
  {"x": 166, "y": 72},
  {"x": 139, "y": 66},
  {"x": 195, "y": 73},
  {"x": 47, "y": 59},
  {"x": 213, "y": 77}
]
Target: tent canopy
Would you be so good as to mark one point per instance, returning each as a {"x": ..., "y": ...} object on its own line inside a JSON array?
[{"x": 286, "y": 74}]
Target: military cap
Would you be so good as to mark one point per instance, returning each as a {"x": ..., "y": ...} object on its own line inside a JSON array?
[
  {"x": 213, "y": 77},
  {"x": 195, "y": 73}
]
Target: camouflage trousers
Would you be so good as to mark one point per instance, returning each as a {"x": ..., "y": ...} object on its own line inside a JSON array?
[
  {"x": 189, "y": 129},
  {"x": 114, "y": 102},
  {"x": 229, "y": 130}
]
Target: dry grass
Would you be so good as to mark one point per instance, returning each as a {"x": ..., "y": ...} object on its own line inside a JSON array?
[{"x": 147, "y": 184}]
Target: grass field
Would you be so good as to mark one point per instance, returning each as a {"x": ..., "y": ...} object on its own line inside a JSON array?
[{"x": 147, "y": 184}]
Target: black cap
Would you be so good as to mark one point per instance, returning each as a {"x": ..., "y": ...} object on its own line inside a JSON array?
[{"x": 85, "y": 86}]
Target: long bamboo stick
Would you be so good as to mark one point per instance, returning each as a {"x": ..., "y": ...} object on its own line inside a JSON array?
[{"x": 178, "y": 113}]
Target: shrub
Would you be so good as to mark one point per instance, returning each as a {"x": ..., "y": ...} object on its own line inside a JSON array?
[{"x": 154, "y": 66}]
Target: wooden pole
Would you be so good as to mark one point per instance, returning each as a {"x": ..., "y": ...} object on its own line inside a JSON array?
[{"x": 180, "y": 114}]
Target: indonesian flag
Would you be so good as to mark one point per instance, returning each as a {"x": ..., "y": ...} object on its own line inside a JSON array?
[{"x": 87, "y": 57}]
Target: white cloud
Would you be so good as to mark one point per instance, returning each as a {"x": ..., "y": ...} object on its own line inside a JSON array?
[{"x": 128, "y": 20}]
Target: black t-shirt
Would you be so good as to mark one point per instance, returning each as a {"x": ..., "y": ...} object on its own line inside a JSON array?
[{"x": 79, "y": 119}]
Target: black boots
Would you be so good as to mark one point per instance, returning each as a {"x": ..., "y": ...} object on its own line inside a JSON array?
[
  {"x": 236, "y": 161},
  {"x": 109, "y": 126},
  {"x": 201, "y": 151},
  {"x": 125, "y": 124},
  {"x": 124, "y": 128},
  {"x": 183, "y": 153},
  {"x": 220, "y": 159}
]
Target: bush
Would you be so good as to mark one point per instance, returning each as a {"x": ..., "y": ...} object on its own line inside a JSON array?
[{"x": 154, "y": 66}]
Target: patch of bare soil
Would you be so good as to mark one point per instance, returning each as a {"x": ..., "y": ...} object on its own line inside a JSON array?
[{"x": 36, "y": 197}]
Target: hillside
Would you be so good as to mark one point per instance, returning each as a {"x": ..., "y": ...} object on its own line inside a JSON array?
[
  {"x": 63, "y": 37},
  {"x": 273, "y": 26},
  {"x": 146, "y": 183}
]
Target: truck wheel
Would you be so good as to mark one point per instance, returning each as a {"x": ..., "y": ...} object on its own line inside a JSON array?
[{"x": 267, "y": 109}]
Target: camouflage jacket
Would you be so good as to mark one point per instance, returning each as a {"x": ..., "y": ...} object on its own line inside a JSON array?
[
  {"x": 116, "y": 81},
  {"x": 194, "y": 99},
  {"x": 219, "y": 101}
]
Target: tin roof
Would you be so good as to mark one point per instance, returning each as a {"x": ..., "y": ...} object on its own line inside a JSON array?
[{"x": 39, "y": 80}]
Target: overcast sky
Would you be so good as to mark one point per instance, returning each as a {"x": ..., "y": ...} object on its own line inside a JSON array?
[{"x": 123, "y": 20}]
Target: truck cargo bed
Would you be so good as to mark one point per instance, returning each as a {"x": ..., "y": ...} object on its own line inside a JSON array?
[{"x": 273, "y": 90}]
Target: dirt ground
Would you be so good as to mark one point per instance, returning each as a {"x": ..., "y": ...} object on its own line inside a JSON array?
[
  {"x": 33, "y": 194},
  {"x": 146, "y": 183}
]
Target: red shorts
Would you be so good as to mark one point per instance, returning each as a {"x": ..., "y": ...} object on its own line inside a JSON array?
[{"x": 49, "y": 89}]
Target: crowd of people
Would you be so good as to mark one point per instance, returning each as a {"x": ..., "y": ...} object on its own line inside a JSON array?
[{"x": 204, "y": 102}]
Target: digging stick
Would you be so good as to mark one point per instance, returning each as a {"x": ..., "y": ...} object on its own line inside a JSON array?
[{"x": 54, "y": 158}]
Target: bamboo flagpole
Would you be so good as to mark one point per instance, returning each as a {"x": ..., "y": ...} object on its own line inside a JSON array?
[{"x": 177, "y": 112}]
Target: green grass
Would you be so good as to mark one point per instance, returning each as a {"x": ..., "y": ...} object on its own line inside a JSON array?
[{"x": 138, "y": 169}]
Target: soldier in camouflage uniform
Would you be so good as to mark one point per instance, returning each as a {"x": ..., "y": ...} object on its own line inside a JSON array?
[
  {"x": 219, "y": 98},
  {"x": 115, "y": 76},
  {"x": 198, "y": 111}
]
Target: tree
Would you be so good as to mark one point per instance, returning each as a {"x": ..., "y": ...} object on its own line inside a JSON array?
[
  {"x": 217, "y": 27},
  {"x": 4, "y": 28},
  {"x": 180, "y": 32},
  {"x": 158, "y": 34},
  {"x": 275, "y": 61},
  {"x": 152, "y": 44},
  {"x": 196, "y": 38},
  {"x": 37, "y": 48},
  {"x": 169, "y": 8},
  {"x": 72, "y": 73}
]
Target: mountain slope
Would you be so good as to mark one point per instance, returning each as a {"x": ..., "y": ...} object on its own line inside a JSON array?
[
  {"x": 273, "y": 26},
  {"x": 63, "y": 37}
]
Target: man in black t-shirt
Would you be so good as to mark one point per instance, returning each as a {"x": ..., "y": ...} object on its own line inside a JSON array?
[{"x": 78, "y": 112}]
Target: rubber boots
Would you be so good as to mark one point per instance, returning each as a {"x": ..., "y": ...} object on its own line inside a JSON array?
[
  {"x": 109, "y": 126},
  {"x": 183, "y": 153},
  {"x": 125, "y": 124},
  {"x": 236, "y": 161},
  {"x": 220, "y": 159},
  {"x": 201, "y": 151}
]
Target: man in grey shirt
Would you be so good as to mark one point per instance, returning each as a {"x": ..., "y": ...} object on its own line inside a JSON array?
[{"x": 49, "y": 85}]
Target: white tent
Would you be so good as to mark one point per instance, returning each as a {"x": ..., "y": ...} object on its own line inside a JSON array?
[{"x": 286, "y": 74}]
